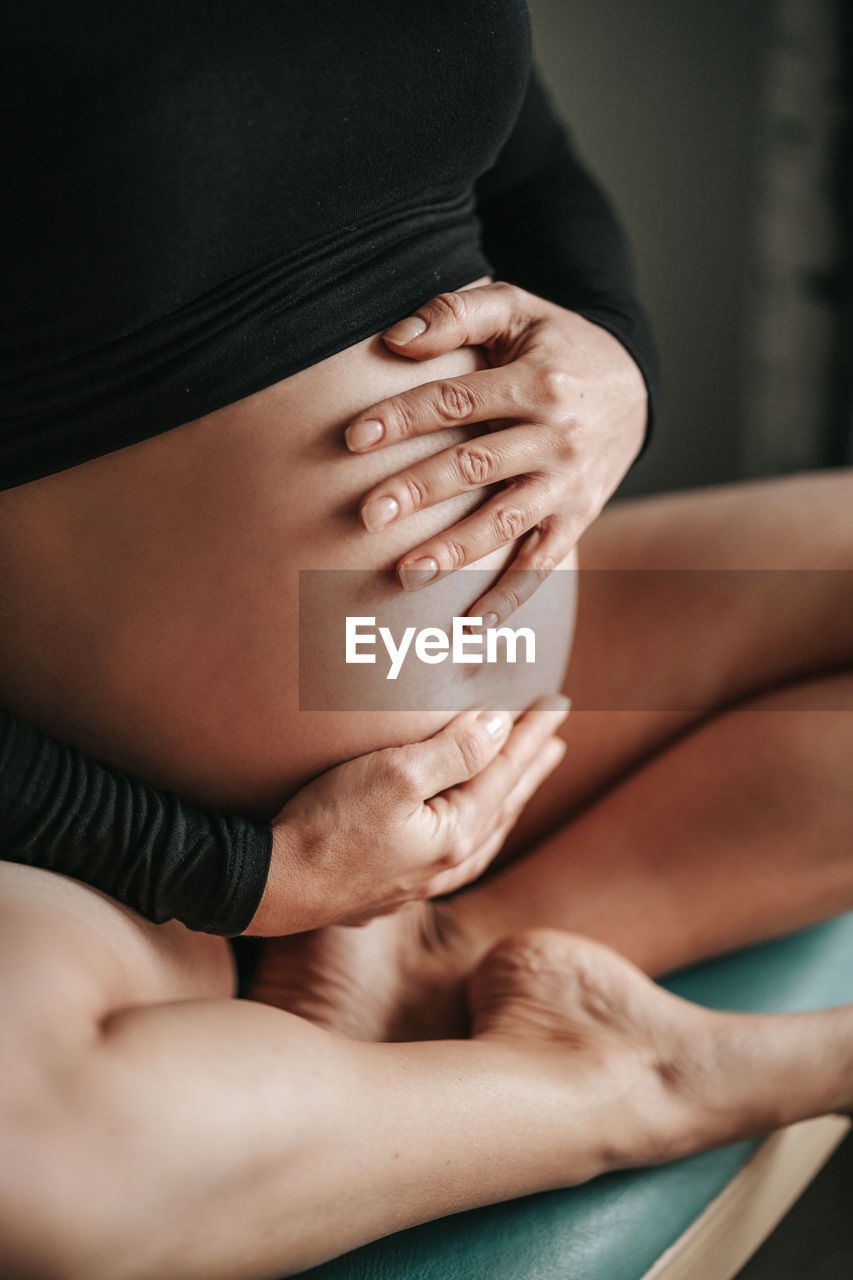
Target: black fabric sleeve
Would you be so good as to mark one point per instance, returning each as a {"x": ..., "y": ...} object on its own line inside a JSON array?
[
  {"x": 549, "y": 228},
  {"x": 63, "y": 811}
]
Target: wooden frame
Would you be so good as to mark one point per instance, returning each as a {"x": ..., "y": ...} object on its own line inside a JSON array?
[{"x": 727, "y": 1233}]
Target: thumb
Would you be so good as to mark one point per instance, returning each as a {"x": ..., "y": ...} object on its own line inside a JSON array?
[
  {"x": 457, "y": 752},
  {"x": 466, "y": 317}
]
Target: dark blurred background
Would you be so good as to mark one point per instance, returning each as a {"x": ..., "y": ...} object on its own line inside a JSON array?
[{"x": 722, "y": 132}]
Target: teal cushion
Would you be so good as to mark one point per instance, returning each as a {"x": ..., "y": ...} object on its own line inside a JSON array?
[{"x": 616, "y": 1227}]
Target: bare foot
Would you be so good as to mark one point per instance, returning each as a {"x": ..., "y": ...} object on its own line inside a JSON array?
[
  {"x": 590, "y": 1025},
  {"x": 662, "y": 1077},
  {"x": 656, "y": 1076},
  {"x": 639, "y": 1056},
  {"x": 399, "y": 978}
]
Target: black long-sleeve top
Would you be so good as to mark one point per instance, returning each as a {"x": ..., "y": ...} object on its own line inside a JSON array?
[{"x": 206, "y": 198}]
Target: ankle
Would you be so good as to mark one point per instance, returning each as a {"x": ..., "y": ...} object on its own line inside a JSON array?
[
  {"x": 466, "y": 929},
  {"x": 453, "y": 938}
]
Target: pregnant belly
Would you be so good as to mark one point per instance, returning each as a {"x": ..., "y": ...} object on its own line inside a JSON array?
[{"x": 150, "y": 598}]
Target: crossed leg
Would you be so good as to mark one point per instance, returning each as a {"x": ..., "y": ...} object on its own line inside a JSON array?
[
  {"x": 151, "y": 1125},
  {"x": 704, "y": 799},
  {"x": 689, "y": 604}
]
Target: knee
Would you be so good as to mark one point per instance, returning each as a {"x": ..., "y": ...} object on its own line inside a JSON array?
[
  {"x": 59, "y": 1209},
  {"x": 46, "y": 1186},
  {"x": 41, "y": 1226}
]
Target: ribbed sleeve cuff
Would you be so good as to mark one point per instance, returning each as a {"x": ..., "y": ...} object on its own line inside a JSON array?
[{"x": 66, "y": 812}]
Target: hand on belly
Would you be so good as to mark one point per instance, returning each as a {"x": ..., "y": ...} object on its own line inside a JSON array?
[{"x": 151, "y": 596}]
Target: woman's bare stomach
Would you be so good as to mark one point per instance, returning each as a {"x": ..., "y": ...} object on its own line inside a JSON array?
[{"x": 150, "y": 597}]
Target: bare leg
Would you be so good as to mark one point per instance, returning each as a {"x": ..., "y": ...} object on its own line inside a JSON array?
[
  {"x": 727, "y": 819},
  {"x": 741, "y": 830},
  {"x": 695, "y": 602},
  {"x": 153, "y": 1126},
  {"x": 670, "y": 835}
]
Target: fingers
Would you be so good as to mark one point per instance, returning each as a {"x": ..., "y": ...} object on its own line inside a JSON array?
[
  {"x": 501, "y": 519},
  {"x": 466, "y": 317},
  {"x": 453, "y": 755},
  {"x": 542, "y": 551},
  {"x": 472, "y": 464},
  {"x": 527, "y": 785},
  {"x": 471, "y": 869},
  {"x": 487, "y": 792},
  {"x": 469, "y": 813},
  {"x": 434, "y": 406},
  {"x": 470, "y": 818}
]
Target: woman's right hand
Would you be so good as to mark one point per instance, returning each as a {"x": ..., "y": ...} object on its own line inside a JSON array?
[{"x": 406, "y": 823}]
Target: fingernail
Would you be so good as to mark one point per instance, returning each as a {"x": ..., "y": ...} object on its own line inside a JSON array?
[
  {"x": 418, "y": 573},
  {"x": 379, "y": 512},
  {"x": 405, "y": 330},
  {"x": 554, "y": 702},
  {"x": 490, "y": 620},
  {"x": 361, "y": 435},
  {"x": 496, "y": 723}
]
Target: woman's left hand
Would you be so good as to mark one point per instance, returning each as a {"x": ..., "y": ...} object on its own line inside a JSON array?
[{"x": 564, "y": 406}]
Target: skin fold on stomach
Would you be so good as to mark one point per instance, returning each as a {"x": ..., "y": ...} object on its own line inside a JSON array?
[{"x": 149, "y": 598}]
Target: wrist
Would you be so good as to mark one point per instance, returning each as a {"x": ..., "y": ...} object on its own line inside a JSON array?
[{"x": 282, "y": 908}]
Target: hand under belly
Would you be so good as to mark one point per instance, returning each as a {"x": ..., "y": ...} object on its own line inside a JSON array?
[{"x": 150, "y": 597}]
